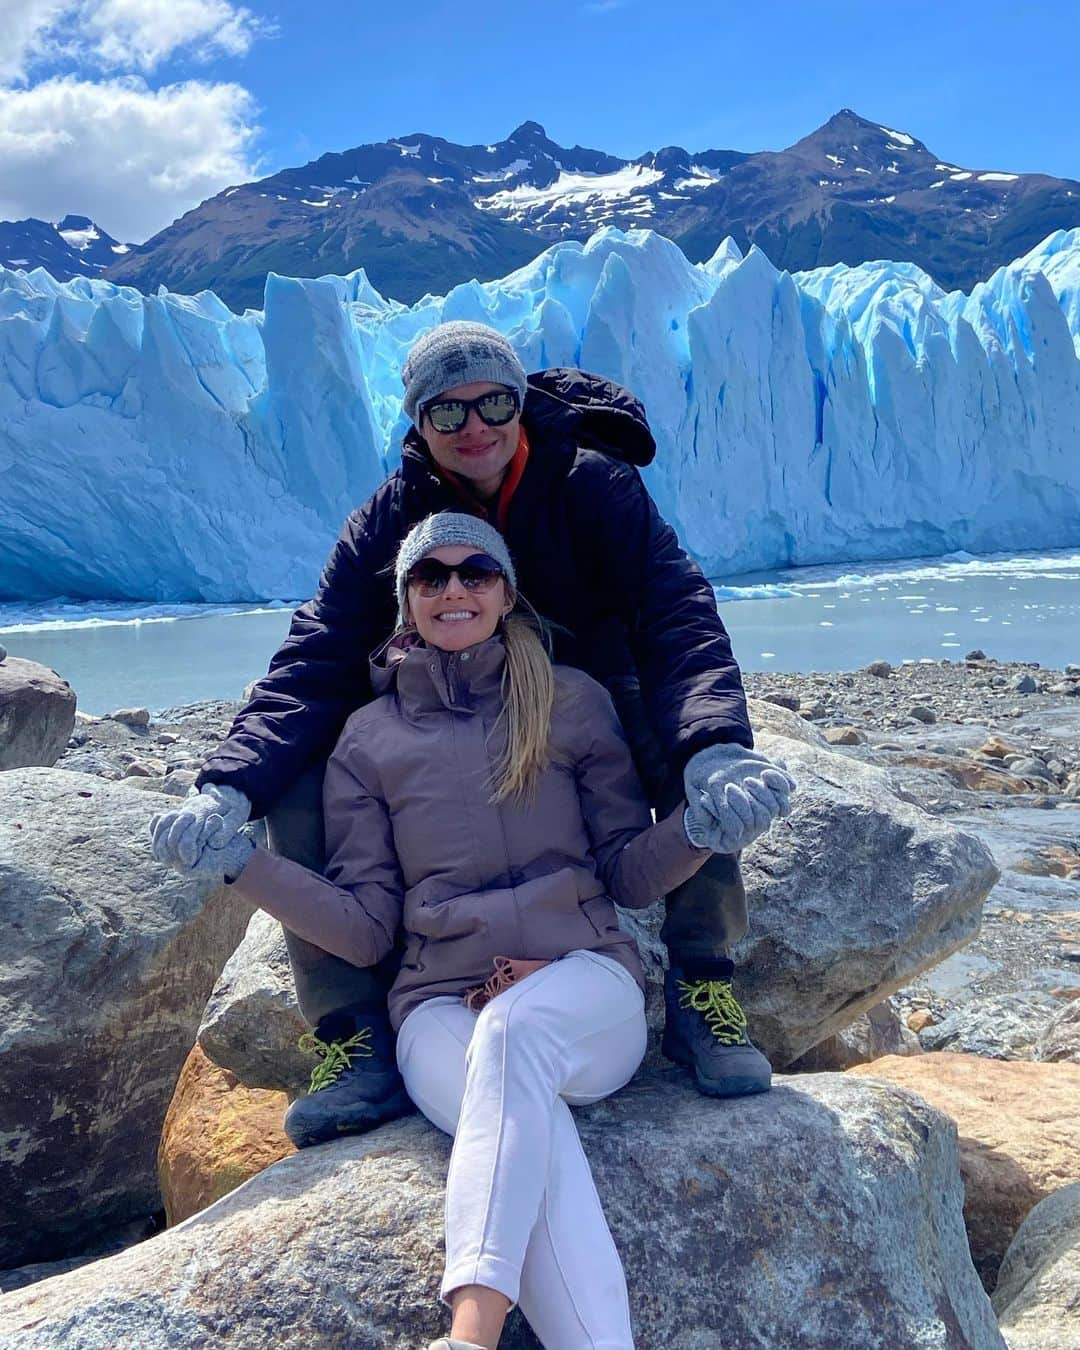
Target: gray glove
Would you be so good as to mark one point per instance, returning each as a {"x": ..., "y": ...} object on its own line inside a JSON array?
[
  {"x": 733, "y": 795},
  {"x": 219, "y": 864},
  {"x": 207, "y": 818}
]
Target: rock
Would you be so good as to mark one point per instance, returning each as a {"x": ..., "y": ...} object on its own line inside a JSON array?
[
  {"x": 1019, "y": 1127},
  {"x": 37, "y": 714},
  {"x": 844, "y": 736},
  {"x": 790, "y": 701},
  {"x": 873, "y": 1034},
  {"x": 1067, "y": 687},
  {"x": 1024, "y": 684},
  {"x": 1028, "y": 767},
  {"x": 1072, "y": 670},
  {"x": 1037, "y": 1298},
  {"x": 217, "y": 1134},
  {"x": 966, "y": 774},
  {"x": 3, "y": 653},
  {"x": 131, "y": 717},
  {"x": 813, "y": 711},
  {"x": 167, "y": 738},
  {"x": 882, "y": 669},
  {"x": 145, "y": 768},
  {"x": 977, "y": 655},
  {"x": 252, "y": 1023},
  {"x": 921, "y": 713},
  {"x": 1060, "y": 1038},
  {"x": 172, "y": 785},
  {"x": 920, "y": 1019},
  {"x": 1005, "y": 1027},
  {"x": 996, "y": 748},
  {"x": 854, "y": 1240},
  {"x": 106, "y": 964},
  {"x": 852, "y": 896}
]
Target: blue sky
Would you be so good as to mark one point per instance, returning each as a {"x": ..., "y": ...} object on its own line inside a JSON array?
[{"x": 133, "y": 111}]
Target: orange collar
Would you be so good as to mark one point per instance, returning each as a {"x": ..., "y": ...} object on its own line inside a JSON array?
[{"x": 495, "y": 511}]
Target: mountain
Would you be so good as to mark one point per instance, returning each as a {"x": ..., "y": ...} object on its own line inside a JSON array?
[
  {"x": 834, "y": 416},
  {"x": 74, "y": 248},
  {"x": 421, "y": 214}
]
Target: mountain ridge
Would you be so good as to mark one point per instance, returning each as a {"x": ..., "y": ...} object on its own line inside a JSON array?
[{"x": 421, "y": 214}]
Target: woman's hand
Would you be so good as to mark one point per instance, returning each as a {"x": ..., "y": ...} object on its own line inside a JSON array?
[
  {"x": 733, "y": 795},
  {"x": 208, "y": 818}
]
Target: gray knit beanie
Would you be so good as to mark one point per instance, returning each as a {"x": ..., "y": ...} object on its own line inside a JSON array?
[
  {"x": 458, "y": 353},
  {"x": 449, "y": 527}
]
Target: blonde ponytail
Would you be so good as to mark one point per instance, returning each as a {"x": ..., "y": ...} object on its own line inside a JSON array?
[{"x": 528, "y": 692}]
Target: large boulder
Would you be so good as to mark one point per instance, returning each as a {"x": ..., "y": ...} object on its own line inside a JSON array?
[
  {"x": 217, "y": 1134},
  {"x": 1037, "y": 1299},
  {"x": 106, "y": 965},
  {"x": 252, "y": 1023},
  {"x": 1019, "y": 1127},
  {"x": 825, "y": 1215},
  {"x": 37, "y": 714},
  {"x": 850, "y": 898}
]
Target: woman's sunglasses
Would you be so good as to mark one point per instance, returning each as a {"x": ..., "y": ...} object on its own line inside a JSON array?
[
  {"x": 477, "y": 573},
  {"x": 495, "y": 409}
]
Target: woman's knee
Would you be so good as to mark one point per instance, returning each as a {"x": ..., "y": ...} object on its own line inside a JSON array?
[{"x": 509, "y": 1030}]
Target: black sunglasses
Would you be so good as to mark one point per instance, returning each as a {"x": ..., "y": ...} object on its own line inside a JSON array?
[
  {"x": 478, "y": 572},
  {"x": 450, "y": 414}
]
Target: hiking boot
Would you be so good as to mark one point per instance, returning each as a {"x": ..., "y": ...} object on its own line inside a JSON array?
[
  {"x": 705, "y": 1029},
  {"x": 356, "y": 1084},
  {"x": 447, "y": 1343}
]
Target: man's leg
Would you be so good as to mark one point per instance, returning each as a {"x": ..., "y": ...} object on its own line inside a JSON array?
[
  {"x": 705, "y": 1025},
  {"x": 356, "y": 1086}
]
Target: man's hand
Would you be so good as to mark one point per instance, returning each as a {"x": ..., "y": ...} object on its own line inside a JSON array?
[
  {"x": 207, "y": 819},
  {"x": 733, "y": 795}
]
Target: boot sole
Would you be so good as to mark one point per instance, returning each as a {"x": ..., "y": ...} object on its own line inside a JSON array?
[
  {"x": 359, "y": 1121},
  {"x": 713, "y": 1087}
]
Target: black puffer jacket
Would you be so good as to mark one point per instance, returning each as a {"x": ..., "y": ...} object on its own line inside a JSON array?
[{"x": 592, "y": 554}]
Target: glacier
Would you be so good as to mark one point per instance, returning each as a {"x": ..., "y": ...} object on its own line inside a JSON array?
[{"x": 162, "y": 448}]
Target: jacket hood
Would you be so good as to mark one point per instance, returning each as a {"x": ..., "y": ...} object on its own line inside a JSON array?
[{"x": 585, "y": 409}]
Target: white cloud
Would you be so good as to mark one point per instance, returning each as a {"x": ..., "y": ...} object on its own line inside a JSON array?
[
  {"x": 26, "y": 25},
  {"x": 120, "y": 34},
  {"x": 140, "y": 34},
  {"x": 130, "y": 157}
]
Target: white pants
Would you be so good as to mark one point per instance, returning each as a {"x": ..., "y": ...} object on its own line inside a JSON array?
[{"x": 522, "y": 1212}]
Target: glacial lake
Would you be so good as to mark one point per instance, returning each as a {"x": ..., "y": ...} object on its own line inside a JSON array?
[{"x": 1016, "y": 607}]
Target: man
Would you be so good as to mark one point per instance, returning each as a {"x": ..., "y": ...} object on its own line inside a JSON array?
[{"x": 551, "y": 461}]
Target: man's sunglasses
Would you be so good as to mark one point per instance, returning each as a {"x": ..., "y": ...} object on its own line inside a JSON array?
[
  {"x": 477, "y": 573},
  {"x": 450, "y": 414}
]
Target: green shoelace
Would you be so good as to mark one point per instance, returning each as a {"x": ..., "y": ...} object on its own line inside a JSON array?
[
  {"x": 718, "y": 1005},
  {"x": 336, "y": 1056}
]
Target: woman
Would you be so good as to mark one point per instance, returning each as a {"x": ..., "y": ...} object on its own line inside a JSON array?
[{"x": 486, "y": 803}]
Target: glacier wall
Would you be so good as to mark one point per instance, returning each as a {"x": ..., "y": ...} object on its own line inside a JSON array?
[{"x": 164, "y": 448}]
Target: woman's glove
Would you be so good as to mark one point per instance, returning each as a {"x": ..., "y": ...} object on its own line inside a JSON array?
[
  {"x": 208, "y": 818},
  {"x": 220, "y": 864},
  {"x": 733, "y": 795}
]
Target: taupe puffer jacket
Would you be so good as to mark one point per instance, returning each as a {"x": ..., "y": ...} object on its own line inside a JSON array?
[{"x": 413, "y": 838}]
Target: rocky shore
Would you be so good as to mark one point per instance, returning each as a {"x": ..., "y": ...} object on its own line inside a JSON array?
[{"x": 915, "y": 922}]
